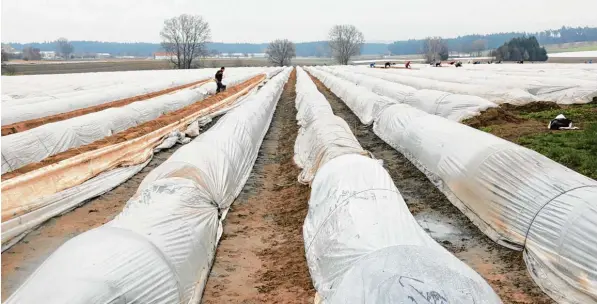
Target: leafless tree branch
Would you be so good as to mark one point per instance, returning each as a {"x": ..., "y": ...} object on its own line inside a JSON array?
[
  {"x": 435, "y": 49},
  {"x": 280, "y": 52},
  {"x": 64, "y": 48},
  {"x": 345, "y": 41},
  {"x": 186, "y": 37}
]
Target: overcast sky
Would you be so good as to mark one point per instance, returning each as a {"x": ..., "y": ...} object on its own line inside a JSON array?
[{"x": 298, "y": 20}]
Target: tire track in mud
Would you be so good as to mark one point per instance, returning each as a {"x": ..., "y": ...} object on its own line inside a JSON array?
[
  {"x": 261, "y": 258},
  {"x": 504, "y": 269},
  {"x": 23, "y": 258}
]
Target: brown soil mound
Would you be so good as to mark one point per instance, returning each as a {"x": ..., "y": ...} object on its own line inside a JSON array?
[
  {"x": 34, "y": 123},
  {"x": 536, "y": 106},
  {"x": 493, "y": 116},
  {"x": 134, "y": 132}
]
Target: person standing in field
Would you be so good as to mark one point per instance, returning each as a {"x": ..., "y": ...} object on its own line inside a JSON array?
[{"x": 219, "y": 76}]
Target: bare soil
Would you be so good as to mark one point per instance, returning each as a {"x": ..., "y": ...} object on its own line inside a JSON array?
[
  {"x": 504, "y": 269},
  {"x": 261, "y": 257},
  {"x": 34, "y": 123},
  {"x": 133, "y": 132},
  {"x": 21, "y": 260}
]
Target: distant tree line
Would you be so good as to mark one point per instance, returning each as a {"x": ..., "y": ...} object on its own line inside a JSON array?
[
  {"x": 303, "y": 49},
  {"x": 521, "y": 49},
  {"x": 473, "y": 44}
]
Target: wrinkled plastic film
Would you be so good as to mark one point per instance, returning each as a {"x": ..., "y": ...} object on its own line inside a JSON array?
[
  {"x": 36, "y": 144},
  {"x": 159, "y": 249},
  {"x": 362, "y": 243},
  {"x": 516, "y": 196}
]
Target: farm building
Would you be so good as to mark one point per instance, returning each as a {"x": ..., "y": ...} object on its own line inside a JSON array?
[
  {"x": 48, "y": 55},
  {"x": 163, "y": 56}
]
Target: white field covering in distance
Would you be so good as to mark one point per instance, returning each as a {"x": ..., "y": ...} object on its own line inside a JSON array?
[{"x": 575, "y": 54}]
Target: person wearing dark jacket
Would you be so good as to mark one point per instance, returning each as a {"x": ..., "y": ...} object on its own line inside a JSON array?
[
  {"x": 561, "y": 123},
  {"x": 219, "y": 76}
]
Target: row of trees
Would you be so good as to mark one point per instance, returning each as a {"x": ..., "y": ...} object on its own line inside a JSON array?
[
  {"x": 435, "y": 49},
  {"x": 521, "y": 49},
  {"x": 472, "y": 43},
  {"x": 63, "y": 48},
  {"x": 187, "y": 36}
]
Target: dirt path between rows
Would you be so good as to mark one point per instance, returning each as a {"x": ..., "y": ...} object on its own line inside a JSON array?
[
  {"x": 19, "y": 262},
  {"x": 261, "y": 258},
  {"x": 504, "y": 269}
]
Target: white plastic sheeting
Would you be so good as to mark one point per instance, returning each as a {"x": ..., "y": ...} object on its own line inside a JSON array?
[
  {"x": 452, "y": 106},
  {"x": 516, "y": 196},
  {"x": 161, "y": 247},
  {"x": 563, "y": 86},
  {"x": 32, "y": 108},
  {"x": 31, "y": 89},
  {"x": 361, "y": 242},
  {"x": 359, "y": 99},
  {"x": 364, "y": 246},
  {"x": 36, "y": 144},
  {"x": 322, "y": 136},
  {"x": 18, "y": 227},
  {"x": 231, "y": 146},
  {"x": 158, "y": 250},
  {"x": 20, "y": 89},
  {"x": 491, "y": 93}
]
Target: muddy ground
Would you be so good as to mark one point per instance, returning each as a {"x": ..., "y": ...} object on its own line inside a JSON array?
[
  {"x": 504, "y": 269},
  {"x": 260, "y": 258},
  {"x": 23, "y": 258}
]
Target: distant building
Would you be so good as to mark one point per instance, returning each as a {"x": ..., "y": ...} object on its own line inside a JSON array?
[
  {"x": 102, "y": 55},
  {"x": 48, "y": 55},
  {"x": 163, "y": 56},
  {"x": 241, "y": 55}
]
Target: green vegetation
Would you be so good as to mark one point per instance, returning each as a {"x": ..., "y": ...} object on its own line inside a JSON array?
[
  {"x": 523, "y": 48},
  {"x": 577, "y": 113},
  {"x": 486, "y": 129},
  {"x": 575, "y": 149}
]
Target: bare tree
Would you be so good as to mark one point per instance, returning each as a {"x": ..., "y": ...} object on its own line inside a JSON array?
[
  {"x": 30, "y": 53},
  {"x": 478, "y": 46},
  {"x": 4, "y": 56},
  {"x": 280, "y": 52},
  {"x": 345, "y": 41},
  {"x": 186, "y": 37},
  {"x": 64, "y": 48},
  {"x": 435, "y": 48}
]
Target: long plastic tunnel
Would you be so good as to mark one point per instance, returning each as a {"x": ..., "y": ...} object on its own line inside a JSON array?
[
  {"x": 34, "y": 145},
  {"x": 518, "y": 197},
  {"x": 345, "y": 83},
  {"x": 161, "y": 247},
  {"x": 361, "y": 242}
]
